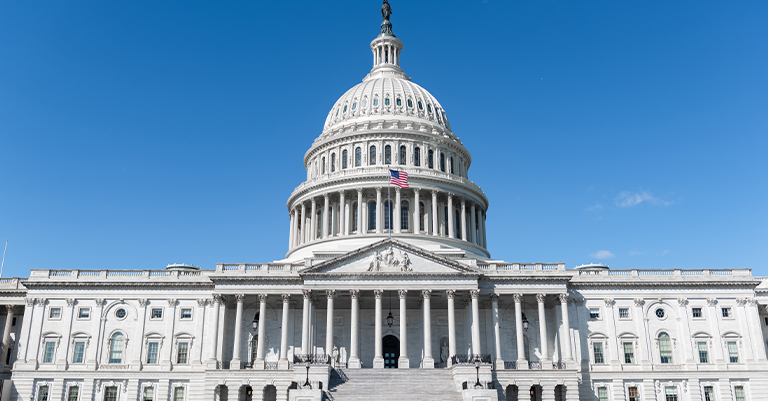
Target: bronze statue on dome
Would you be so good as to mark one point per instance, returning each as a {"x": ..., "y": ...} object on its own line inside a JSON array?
[{"x": 386, "y": 10}]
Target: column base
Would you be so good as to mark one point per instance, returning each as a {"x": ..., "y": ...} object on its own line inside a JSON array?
[
  {"x": 428, "y": 363},
  {"x": 522, "y": 364},
  {"x": 354, "y": 363},
  {"x": 546, "y": 364},
  {"x": 212, "y": 364},
  {"x": 234, "y": 364},
  {"x": 258, "y": 364},
  {"x": 378, "y": 362},
  {"x": 404, "y": 363},
  {"x": 282, "y": 364},
  {"x": 499, "y": 364}
]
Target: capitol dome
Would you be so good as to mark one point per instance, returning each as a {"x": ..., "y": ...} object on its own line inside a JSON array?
[{"x": 384, "y": 123}]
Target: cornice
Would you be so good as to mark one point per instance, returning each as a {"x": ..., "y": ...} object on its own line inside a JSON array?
[
  {"x": 661, "y": 284},
  {"x": 57, "y": 285}
]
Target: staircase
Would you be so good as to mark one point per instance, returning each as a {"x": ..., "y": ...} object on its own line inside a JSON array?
[{"x": 392, "y": 384}]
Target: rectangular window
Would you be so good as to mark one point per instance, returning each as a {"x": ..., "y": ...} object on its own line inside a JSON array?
[
  {"x": 726, "y": 312},
  {"x": 55, "y": 313},
  {"x": 739, "y": 392},
  {"x": 594, "y": 313},
  {"x": 709, "y": 393},
  {"x": 733, "y": 352},
  {"x": 597, "y": 348},
  {"x": 79, "y": 352},
  {"x": 110, "y": 393},
  {"x": 629, "y": 352},
  {"x": 186, "y": 313},
  {"x": 696, "y": 313},
  {"x": 149, "y": 394},
  {"x": 50, "y": 346},
  {"x": 632, "y": 393},
  {"x": 602, "y": 394},
  {"x": 671, "y": 393},
  {"x": 181, "y": 358},
  {"x": 178, "y": 394},
  {"x": 152, "y": 352},
  {"x": 74, "y": 391},
  {"x": 157, "y": 313},
  {"x": 623, "y": 313},
  {"x": 703, "y": 351},
  {"x": 84, "y": 313},
  {"x": 42, "y": 393}
]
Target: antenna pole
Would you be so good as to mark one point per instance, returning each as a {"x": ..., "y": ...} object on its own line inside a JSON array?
[{"x": 3, "y": 264}]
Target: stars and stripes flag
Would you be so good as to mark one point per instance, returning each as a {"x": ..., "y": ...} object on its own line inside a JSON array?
[{"x": 399, "y": 178}]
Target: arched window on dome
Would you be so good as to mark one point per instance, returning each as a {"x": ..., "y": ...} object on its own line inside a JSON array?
[
  {"x": 330, "y": 221},
  {"x": 404, "y": 215},
  {"x": 431, "y": 159},
  {"x": 319, "y": 220},
  {"x": 403, "y": 156},
  {"x": 358, "y": 156},
  {"x": 398, "y": 102},
  {"x": 388, "y": 214},
  {"x": 333, "y": 162},
  {"x": 417, "y": 157},
  {"x": 386, "y": 101},
  {"x": 344, "y": 159},
  {"x": 451, "y": 165},
  {"x": 422, "y": 217},
  {"x": 372, "y": 156},
  {"x": 442, "y": 161},
  {"x": 323, "y": 165},
  {"x": 376, "y": 102},
  {"x": 371, "y": 215},
  {"x": 410, "y": 103},
  {"x": 444, "y": 223},
  {"x": 354, "y": 217},
  {"x": 457, "y": 223},
  {"x": 387, "y": 155}
]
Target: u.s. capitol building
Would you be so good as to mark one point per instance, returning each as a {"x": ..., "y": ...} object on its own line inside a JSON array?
[{"x": 386, "y": 293}]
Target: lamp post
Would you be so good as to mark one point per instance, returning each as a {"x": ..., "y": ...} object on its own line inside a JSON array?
[
  {"x": 525, "y": 322},
  {"x": 477, "y": 368},
  {"x": 306, "y": 383}
]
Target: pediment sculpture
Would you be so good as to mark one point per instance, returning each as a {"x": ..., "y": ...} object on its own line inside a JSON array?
[{"x": 386, "y": 260}]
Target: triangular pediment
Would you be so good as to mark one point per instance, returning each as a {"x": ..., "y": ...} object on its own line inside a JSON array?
[{"x": 390, "y": 256}]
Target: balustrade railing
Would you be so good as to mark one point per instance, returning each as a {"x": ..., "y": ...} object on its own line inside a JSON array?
[
  {"x": 270, "y": 365},
  {"x": 559, "y": 365},
  {"x": 534, "y": 365},
  {"x": 510, "y": 365},
  {"x": 470, "y": 359},
  {"x": 314, "y": 359}
]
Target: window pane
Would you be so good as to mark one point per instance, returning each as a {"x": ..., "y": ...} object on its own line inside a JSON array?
[
  {"x": 84, "y": 313},
  {"x": 186, "y": 313},
  {"x": 442, "y": 162},
  {"x": 709, "y": 393},
  {"x": 594, "y": 313},
  {"x": 372, "y": 216},
  {"x": 665, "y": 348},
  {"x": 333, "y": 162},
  {"x": 42, "y": 393},
  {"x": 157, "y": 313},
  {"x": 431, "y": 159},
  {"x": 726, "y": 312},
  {"x": 344, "y": 159},
  {"x": 671, "y": 393},
  {"x": 602, "y": 394},
  {"x": 402, "y": 155},
  {"x": 79, "y": 352},
  {"x": 149, "y": 394},
  {"x": 598, "y": 350},
  {"x": 178, "y": 394},
  {"x": 372, "y": 156},
  {"x": 110, "y": 394},
  {"x": 623, "y": 313},
  {"x": 733, "y": 352},
  {"x": 417, "y": 157},
  {"x": 183, "y": 351},
  {"x": 632, "y": 393},
  {"x": 387, "y": 154},
  {"x": 404, "y": 215},
  {"x": 152, "y": 352},
  {"x": 629, "y": 352},
  {"x": 358, "y": 157},
  {"x": 740, "y": 396},
  {"x": 74, "y": 391},
  {"x": 703, "y": 352},
  {"x": 388, "y": 215},
  {"x": 48, "y": 354},
  {"x": 116, "y": 349},
  {"x": 55, "y": 313},
  {"x": 696, "y": 312}
]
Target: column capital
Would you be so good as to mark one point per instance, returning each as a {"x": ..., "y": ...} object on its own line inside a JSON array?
[
  {"x": 313, "y": 201},
  {"x": 354, "y": 294},
  {"x": 711, "y": 301},
  {"x": 262, "y": 298},
  {"x": 450, "y": 294},
  {"x": 378, "y": 293},
  {"x": 330, "y": 294},
  {"x": 172, "y": 302},
  {"x": 378, "y": 190},
  {"x": 416, "y": 190},
  {"x": 563, "y": 297},
  {"x": 540, "y": 298},
  {"x": 608, "y": 301},
  {"x": 359, "y": 190},
  {"x": 402, "y": 294},
  {"x": 449, "y": 195},
  {"x": 9, "y": 308},
  {"x": 217, "y": 298},
  {"x": 30, "y": 301},
  {"x": 639, "y": 302},
  {"x": 239, "y": 298},
  {"x": 474, "y": 294},
  {"x": 495, "y": 297},
  {"x": 518, "y": 298},
  {"x": 326, "y": 196},
  {"x": 286, "y": 298},
  {"x": 201, "y": 302},
  {"x": 342, "y": 192},
  {"x": 435, "y": 192},
  {"x": 307, "y": 294},
  {"x": 71, "y": 302},
  {"x": 426, "y": 294},
  {"x": 682, "y": 301}
]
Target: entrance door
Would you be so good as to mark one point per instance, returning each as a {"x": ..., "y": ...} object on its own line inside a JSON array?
[{"x": 390, "y": 345}]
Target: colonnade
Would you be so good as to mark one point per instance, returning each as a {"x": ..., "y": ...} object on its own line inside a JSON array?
[
  {"x": 438, "y": 213},
  {"x": 428, "y": 361}
]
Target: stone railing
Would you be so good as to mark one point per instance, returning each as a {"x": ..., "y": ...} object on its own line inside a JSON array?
[
  {"x": 526, "y": 267},
  {"x": 666, "y": 272},
  {"x": 117, "y": 274},
  {"x": 559, "y": 365},
  {"x": 314, "y": 359},
  {"x": 258, "y": 267},
  {"x": 11, "y": 283},
  {"x": 534, "y": 365},
  {"x": 510, "y": 365},
  {"x": 668, "y": 366},
  {"x": 470, "y": 359}
]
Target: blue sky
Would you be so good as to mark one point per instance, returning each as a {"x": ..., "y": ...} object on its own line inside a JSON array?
[{"x": 137, "y": 134}]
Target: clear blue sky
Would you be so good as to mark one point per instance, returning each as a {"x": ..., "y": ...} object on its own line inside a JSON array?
[{"x": 134, "y": 134}]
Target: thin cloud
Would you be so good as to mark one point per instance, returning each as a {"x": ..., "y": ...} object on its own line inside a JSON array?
[
  {"x": 630, "y": 199},
  {"x": 602, "y": 254},
  {"x": 633, "y": 253},
  {"x": 594, "y": 208},
  {"x": 663, "y": 253}
]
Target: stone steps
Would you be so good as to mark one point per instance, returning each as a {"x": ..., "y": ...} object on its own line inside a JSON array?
[{"x": 392, "y": 384}]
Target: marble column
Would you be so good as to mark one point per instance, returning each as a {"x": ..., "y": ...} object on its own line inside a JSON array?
[
  {"x": 485, "y": 244},
  {"x": 282, "y": 364},
  {"x": 354, "y": 344},
  {"x": 464, "y": 220},
  {"x": 379, "y": 210},
  {"x": 343, "y": 215},
  {"x": 378, "y": 359},
  {"x": 473, "y": 222},
  {"x": 235, "y": 363},
  {"x": 398, "y": 213},
  {"x": 416, "y": 212},
  {"x": 475, "y": 294},
  {"x": 546, "y": 361},
  {"x": 259, "y": 362},
  {"x": 566, "y": 340},
  {"x": 496, "y": 331},
  {"x": 325, "y": 218},
  {"x": 429, "y": 361},
  {"x": 330, "y": 294},
  {"x": 6, "y": 335},
  {"x": 451, "y": 225},
  {"x": 360, "y": 211},
  {"x": 522, "y": 363},
  {"x": 450, "y": 295},
  {"x": 402, "y": 362},
  {"x": 212, "y": 359},
  {"x": 435, "y": 228},
  {"x": 303, "y": 231},
  {"x": 292, "y": 229},
  {"x": 313, "y": 228},
  {"x": 305, "y": 322}
]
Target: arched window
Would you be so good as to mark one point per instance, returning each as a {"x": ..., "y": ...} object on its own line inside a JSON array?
[
  {"x": 354, "y": 216},
  {"x": 387, "y": 155},
  {"x": 422, "y": 212},
  {"x": 319, "y": 220},
  {"x": 417, "y": 157},
  {"x": 323, "y": 165},
  {"x": 665, "y": 348},
  {"x": 333, "y": 162},
  {"x": 344, "y": 159},
  {"x": 116, "y": 348},
  {"x": 431, "y": 159},
  {"x": 442, "y": 161},
  {"x": 457, "y": 223},
  {"x": 372, "y": 156},
  {"x": 388, "y": 215},
  {"x": 402, "y": 155},
  {"x": 372, "y": 215},
  {"x": 451, "y": 164},
  {"x": 330, "y": 221},
  {"x": 358, "y": 157},
  {"x": 404, "y": 215}
]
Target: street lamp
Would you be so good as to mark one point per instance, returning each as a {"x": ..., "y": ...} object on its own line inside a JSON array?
[
  {"x": 477, "y": 368},
  {"x": 390, "y": 319},
  {"x": 306, "y": 383},
  {"x": 525, "y": 322},
  {"x": 255, "y": 322}
]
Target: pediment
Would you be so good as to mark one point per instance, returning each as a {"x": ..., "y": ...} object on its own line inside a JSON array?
[{"x": 389, "y": 256}]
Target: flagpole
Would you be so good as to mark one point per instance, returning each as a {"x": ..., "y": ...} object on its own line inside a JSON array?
[{"x": 389, "y": 181}]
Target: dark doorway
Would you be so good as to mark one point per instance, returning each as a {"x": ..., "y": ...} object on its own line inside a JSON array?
[{"x": 390, "y": 345}]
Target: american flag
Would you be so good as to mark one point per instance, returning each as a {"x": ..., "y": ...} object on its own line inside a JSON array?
[{"x": 399, "y": 178}]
